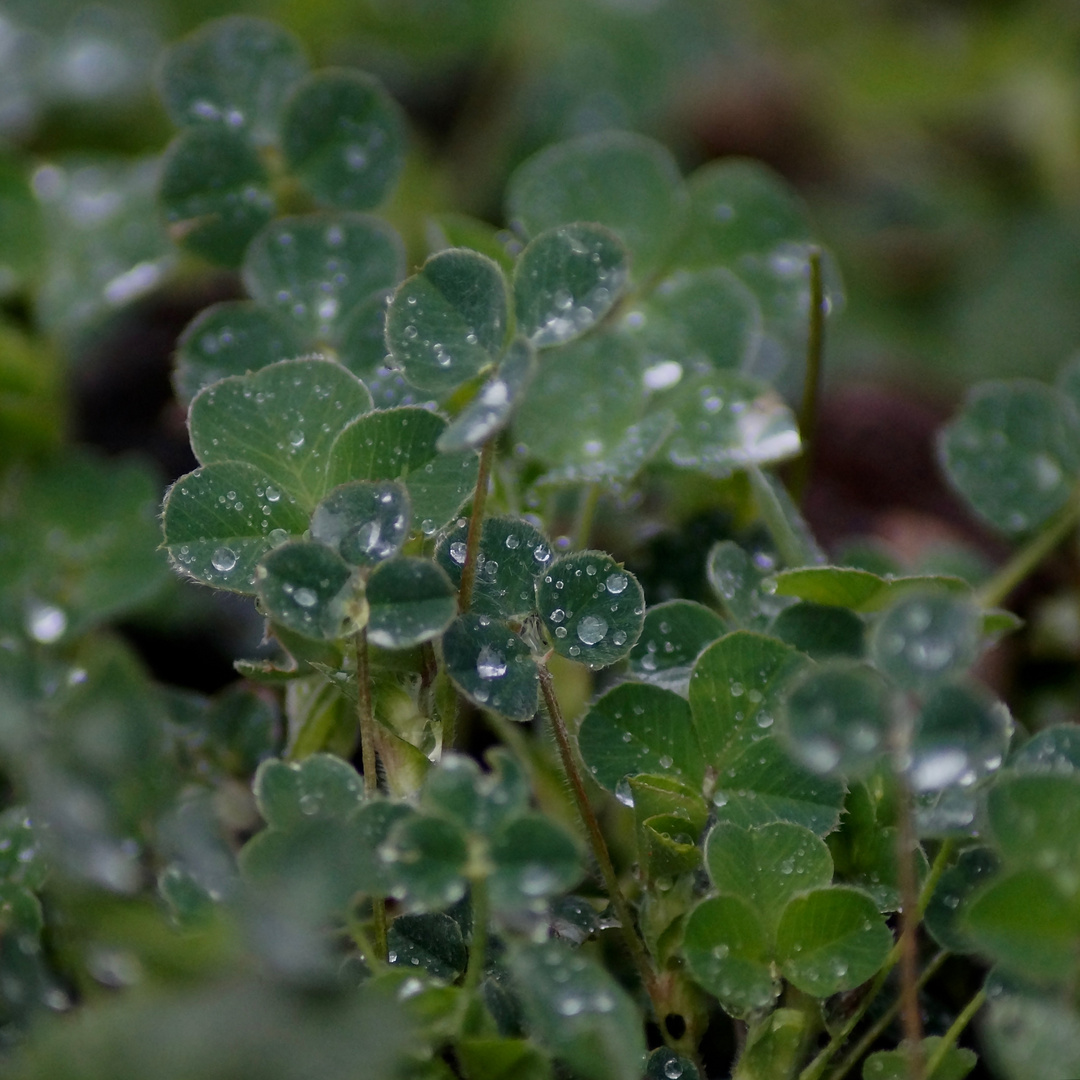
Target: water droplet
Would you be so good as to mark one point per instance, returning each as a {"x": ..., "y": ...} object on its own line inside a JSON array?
[
  {"x": 673, "y": 1070},
  {"x": 272, "y": 493},
  {"x": 490, "y": 664},
  {"x": 623, "y": 792},
  {"x": 616, "y": 583},
  {"x": 619, "y": 637},
  {"x": 665, "y": 761},
  {"x": 662, "y": 375},
  {"x": 296, "y": 438},
  {"x": 305, "y": 597},
  {"x": 458, "y": 551},
  {"x": 45, "y": 623},
  {"x": 512, "y": 542},
  {"x": 223, "y": 559},
  {"x": 591, "y": 630}
]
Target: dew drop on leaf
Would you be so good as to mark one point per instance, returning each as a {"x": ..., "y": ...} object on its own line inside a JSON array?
[
  {"x": 490, "y": 664},
  {"x": 223, "y": 559},
  {"x": 591, "y": 629},
  {"x": 458, "y": 552},
  {"x": 305, "y": 597}
]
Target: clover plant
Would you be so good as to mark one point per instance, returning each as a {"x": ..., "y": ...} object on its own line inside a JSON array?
[{"x": 777, "y": 791}]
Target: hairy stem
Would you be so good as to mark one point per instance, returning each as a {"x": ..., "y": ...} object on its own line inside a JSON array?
[
  {"x": 590, "y": 497},
  {"x": 948, "y": 1040},
  {"x": 875, "y": 1031},
  {"x": 799, "y": 472},
  {"x": 1023, "y": 562},
  {"x": 910, "y": 1017},
  {"x": 366, "y": 715},
  {"x": 597, "y": 842},
  {"x": 476, "y": 521}
]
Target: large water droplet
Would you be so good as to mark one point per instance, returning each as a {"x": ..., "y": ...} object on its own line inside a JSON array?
[
  {"x": 591, "y": 629},
  {"x": 616, "y": 583},
  {"x": 490, "y": 664},
  {"x": 223, "y": 559},
  {"x": 458, "y": 551},
  {"x": 305, "y": 597},
  {"x": 45, "y": 623}
]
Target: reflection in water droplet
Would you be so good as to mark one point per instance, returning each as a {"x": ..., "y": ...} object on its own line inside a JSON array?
[
  {"x": 305, "y": 597},
  {"x": 938, "y": 770},
  {"x": 673, "y": 1070},
  {"x": 458, "y": 551},
  {"x": 623, "y": 792},
  {"x": 591, "y": 630},
  {"x": 661, "y": 376},
  {"x": 490, "y": 664},
  {"x": 616, "y": 583},
  {"x": 45, "y": 623},
  {"x": 296, "y": 438}
]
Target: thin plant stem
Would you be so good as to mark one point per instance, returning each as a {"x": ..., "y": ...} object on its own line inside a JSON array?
[
  {"x": 366, "y": 716},
  {"x": 476, "y": 521},
  {"x": 590, "y": 498},
  {"x": 597, "y": 842},
  {"x": 910, "y": 1016},
  {"x": 1023, "y": 562},
  {"x": 875, "y": 1031},
  {"x": 937, "y": 868},
  {"x": 478, "y": 946},
  {"x": 799, "y": 473},
  {"x": 376, "y": 960},
  {"x": 948, "y": 1040}
]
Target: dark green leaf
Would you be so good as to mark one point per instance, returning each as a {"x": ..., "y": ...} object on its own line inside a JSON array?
[
  {"x": 316, "y": 270},
  {"x": 837, "y": 717},
  {"x": 578, "y": 1012},
  {"x": 511, "y": 556},
  {"x": 282, "y": 420},
  {"x": 410, "y": 600},
  {"x": 215, "y": 193},
  {"x": 973, "y": 868},
  {"x": 767, "y": 866},
  {"x": 344, "y": 136},
  {"x": 819, "y": 631},
  {"x": 431, "y": 941},
  {"x": 674, "y": 635},
  {"x": 566, "y": 280},
  {"x": 735, "y": 692},
  {"x": 231, "y": 338},
  {"x": 309, "y": 588},
  {"x": 233, "y": 73},
  {"x": 400, "y": 444},
  {"x": 775, "y": 1045},
  {"x": 621, "y": 180},
  {"x": 668, "y": 847},
  {"x": 480, "y": 802},
  {"x": 448, "y": 322},
  {"x": 1033, "y": 821},
  {"x": 727, "y": 951},
  {"x": 490, "y": 411},
  {"x": 533, "y": 860},
  {"x": 1012, "y": 453},
  {"x": 593, "y": 609},
  {"x": 426, "y": 858},
  {"x": 739, "y": 582},
  {"x": 219, "y": 540},
  {"x": 491, "y": 665},
  {"x": 636, "y": 728},
  {"x": 363, "y": 521},
  {"x": 831, "y": 939},
  {"x": 926, "y": 637}
]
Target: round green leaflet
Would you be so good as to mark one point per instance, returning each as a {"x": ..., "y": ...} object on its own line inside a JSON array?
[
  {"x": 767, "y": 866},
  {"x": 623, "y": 181},
  {"x": 316, "y": 270},
  {"x": 674, "y": 634},
  {"x": 214, "y": 193},
  {"x": 410, "y": 601},
  {"x": 926, "y": 637},
  {"x": 961, "y": 735},
  {"x": 480, "y": 802},
  {"x": 974, "y": 867},
  {"x": 219, "y": 522},
  {"x": 635, "y": 729},
  {"x": 491, "y": 665},
  {"x": 511, "y": 556},
  {"x": 234, "y": 73},
  {"x": 533, "y": 860},
  {"x": 820, "y": 631},
  {"x": 702, "y": 320},
  {"x": 431, "y": 941},
  {"x": 831, "y": 939},
  {"x": 566, "y": 281},
  {"x": 426, "y": 859},
  {"x": 727, "y": 951},
  {"x": 308, "y": 588},
  {"x": 290, "y": 793},
  {"x": 231, "y": 338},
  {"x": 447, "y": 323},
  {"x": 837, "y": 716},
  {"x": 282, "y": 420},
  {"x": 344, "y": 136},
  {"x": 363, "y": 521},
  {"x": 400, "y": 444},
  {"x": 1033, "y": 821},
  {"x": 1012, "y": 452},
  {"x": 593, "y": 609}
]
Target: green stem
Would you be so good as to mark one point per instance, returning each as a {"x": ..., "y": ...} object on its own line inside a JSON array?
[
  {"x": 366, "y": 715},
  {"x": 910, "y": 1017},
  {"x": 874, "y": 1032},
  {"x": 478, "y": 946},
  {"x": 598, "y": 844},
  {"x": 374, "y": 958},
  {"x": 799, "y": 473},
  {"x": 937, "y": 868},
  {"x": 590, "y": 497},
  {"x": 476, "y": 521},
  {"x": 995, "y": 591},
  {"x": 793, "y": 549},
  {"x": 948, "y": 1040}
]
